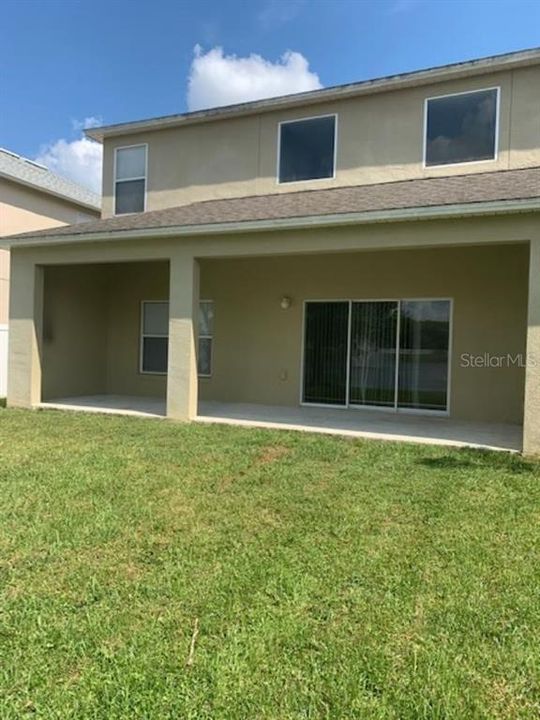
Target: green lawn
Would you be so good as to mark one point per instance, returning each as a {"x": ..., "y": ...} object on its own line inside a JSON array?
[{"x": 330, "y": 578}]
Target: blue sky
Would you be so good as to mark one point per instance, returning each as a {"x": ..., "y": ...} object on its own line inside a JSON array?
[{"x": 114, "y": 60}]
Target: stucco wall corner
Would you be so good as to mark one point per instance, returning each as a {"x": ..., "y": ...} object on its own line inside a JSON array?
[{"x": 531, "y": 426}]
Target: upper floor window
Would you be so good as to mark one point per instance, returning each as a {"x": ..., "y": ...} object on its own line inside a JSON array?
[
  {"x": 307, "y": 149},
  {"x": 130, "y": 179},
  {"x": 461, "y": 128}
]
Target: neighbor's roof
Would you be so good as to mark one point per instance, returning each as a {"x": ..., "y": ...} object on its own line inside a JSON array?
[
  {"x": 478, "y": 193},
  {"x": 495, "y": 63},
  {"x": 27, "y": 172}
]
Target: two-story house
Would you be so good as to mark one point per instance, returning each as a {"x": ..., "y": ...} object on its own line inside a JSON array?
[
  {"x": 361, "y": 259},
  {"x": 33, "y": 198}
]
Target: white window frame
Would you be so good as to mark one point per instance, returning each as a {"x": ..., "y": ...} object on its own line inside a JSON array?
[
  {"x": 301, "y": 119},
  {"x": 145, "y": 177},
  {"x": 389, "y": 409},
  {"x": 206, "y": 337},
  {"x": 143, "y": 335},
  {"x": 464, "y": 162}
]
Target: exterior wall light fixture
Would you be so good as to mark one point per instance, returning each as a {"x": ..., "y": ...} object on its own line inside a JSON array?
[{"x": 285, "y": 302}]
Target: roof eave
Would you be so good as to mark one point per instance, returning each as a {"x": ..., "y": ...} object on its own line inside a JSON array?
[
  {"x": 437, "y": 212},
  {"x": 498, "y": 63},
  {"x": 50, "y": 191}
]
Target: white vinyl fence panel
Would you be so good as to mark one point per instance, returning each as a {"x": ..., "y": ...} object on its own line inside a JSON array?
[{"x": 3, "y": 359}]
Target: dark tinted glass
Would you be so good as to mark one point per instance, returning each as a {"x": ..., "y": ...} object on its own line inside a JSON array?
[
  {"x": 155, "y": 353},
  {"x": 325, "y": 352},
  {"x": 423, "y": 354},
  {"x": 373, "y": 353},
  {"x": 461, "y": 128},
  {"x": 307, "y": 149},
  {"x": 205, "y": 356},
  {"x": 129, "y": 196}
]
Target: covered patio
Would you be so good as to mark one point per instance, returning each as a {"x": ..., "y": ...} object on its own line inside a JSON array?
[
  {"x": 107, "y": 334},
  {"x": 354, "y": 423},
  {"x": 408, "y": 308}
]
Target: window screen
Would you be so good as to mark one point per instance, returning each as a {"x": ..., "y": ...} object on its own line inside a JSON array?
[
  {"x": 424, "y": 354},
  {"x": 306, "y": 149},
  {"x": 155, "y": 337},
  {"x": 206, "y": 337},
  {"x": 130, "y": 180},
  {"x": 461, "y": 128}
]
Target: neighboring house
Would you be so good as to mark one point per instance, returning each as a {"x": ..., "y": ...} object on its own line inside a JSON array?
[
  {"x": 373, "y": 246},
  {"x": 33, "y": 198}
]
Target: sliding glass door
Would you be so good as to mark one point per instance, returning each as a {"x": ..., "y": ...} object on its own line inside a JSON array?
[
  {"x": 373, "y": 353},
  {"x": 390, "y": 354},
  {"x": 325, "y": 353},
  {"x": 423, "y": 354}
]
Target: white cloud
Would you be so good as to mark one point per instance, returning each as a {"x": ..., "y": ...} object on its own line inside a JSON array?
[
  {"x": 216, "y": 79},
  {"x": 88, "y": 122},
  {"x": 79, "y": 160}
]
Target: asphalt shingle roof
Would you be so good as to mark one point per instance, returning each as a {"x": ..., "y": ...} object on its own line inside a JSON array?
[
  {"x": 456, "y": 190},
  {"x": 28, "y": 172}
]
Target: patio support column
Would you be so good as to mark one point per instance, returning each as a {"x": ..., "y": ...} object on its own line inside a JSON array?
[
  {"x": 531, "y": 424},
  {"x": 183, "y": 320},
  {"x": 25, "y": 331}
]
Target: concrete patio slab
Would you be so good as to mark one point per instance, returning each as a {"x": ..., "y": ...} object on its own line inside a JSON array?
[
  {"x": 359, "y": 423},
  {"x": 110, "y": 404},
  {"x": 362, "y": 423}
]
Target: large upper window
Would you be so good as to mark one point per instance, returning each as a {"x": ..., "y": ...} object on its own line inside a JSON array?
[
  {"x": 130, "y": 179},
  {"x": 461, "y": 128},
  {"x": 307, "y": 149}
]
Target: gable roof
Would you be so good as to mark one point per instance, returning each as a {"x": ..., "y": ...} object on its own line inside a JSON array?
[
  {"x": 27, "y": 172},
  {"x": 478, "y": 193},
  {"x": 481, "y": 66}
]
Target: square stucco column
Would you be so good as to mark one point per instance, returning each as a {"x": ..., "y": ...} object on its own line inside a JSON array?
[
  {"x": 183, "y": 321},
  {"x": 25, "y": 329},
  {"x": 531, "y": 425}
]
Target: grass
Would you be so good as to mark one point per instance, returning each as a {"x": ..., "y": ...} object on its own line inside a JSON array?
[{"x": 330, "y": 578}]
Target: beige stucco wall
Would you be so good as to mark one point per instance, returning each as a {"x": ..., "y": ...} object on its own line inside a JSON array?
[
  {"x": 257, "y": 348},
  {"x": 380, "y": 139},
  {"x": 91, "y": 328},
  {"x": 531, "y": 435},
  {"x": 74, "y": 331},
  {"x": 128, "y": 286},
  {"x": 4, "y": 286},
  {"x": 92, "y": 321},
  {"x": 23, "y": 209}
]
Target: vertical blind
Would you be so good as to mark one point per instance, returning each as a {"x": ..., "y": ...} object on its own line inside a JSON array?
[
  {"x": 373, "y": 353},
  {"x": 390, "y": 354},
  {"x": 325, "y": 353}
]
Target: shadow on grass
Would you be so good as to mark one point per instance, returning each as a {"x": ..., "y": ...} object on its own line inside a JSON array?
[
  {"x": 479, "y": 460},
  {"x": 3, "y": 402}
]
